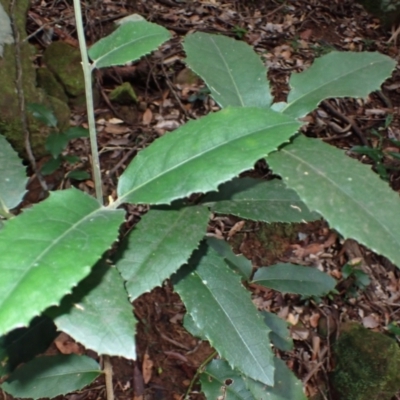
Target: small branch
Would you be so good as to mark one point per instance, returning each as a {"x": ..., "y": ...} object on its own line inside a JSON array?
[{"x": 21, "y": 97}]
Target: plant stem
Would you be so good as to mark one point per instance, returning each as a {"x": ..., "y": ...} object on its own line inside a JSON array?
[
  {"x": 199, "y": 370},
  {"x": 107, "y": 368},
  {"x": 87, "y": 73}
]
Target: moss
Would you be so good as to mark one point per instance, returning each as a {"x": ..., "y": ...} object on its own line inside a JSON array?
[
  {"x": 124, "y": 94},
  {"x": 367, "y": 365},
  {"x": 64, "y": 61},
  {"x": 48, "y": 82}
]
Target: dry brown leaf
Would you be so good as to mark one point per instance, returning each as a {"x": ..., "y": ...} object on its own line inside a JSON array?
[
  {"x": 147, "y": 116},
  {"x": 314, "y": 319},
  {"x": 147, "y": 368},
  {"x": 236, "y": 228},
  {"x": 66, "y": 345}
]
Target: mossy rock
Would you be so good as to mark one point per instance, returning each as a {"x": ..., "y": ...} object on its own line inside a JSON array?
[
  {"x": 64, "y": 61},
  {"x": 10, "y": 121},
  {"x": 124, "y": 94},
  {"x": 367, "y": 365},
  {"x": 48, "y": 82}
]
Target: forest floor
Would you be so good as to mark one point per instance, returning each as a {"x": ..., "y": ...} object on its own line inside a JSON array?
[{"x": 288, "y": 35}]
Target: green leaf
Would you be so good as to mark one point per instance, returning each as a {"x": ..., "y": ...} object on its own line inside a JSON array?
[
  {"x": 50, "y": 166},
  {"x": 286, "y": 387},
  {"x": 290, "y": 278},
  {"x": 42, "y": 114},
  {"x": 222, "y": 309},
  {"x": 237, "y": 263},
  {"x": 99, "y": 315},
  {"x": 56, "y": 143},
  {"x": 184, "y": 161},
  {"x": 348, "y": 194},
  {"x": 161, "y": 243},
  {"x": 337, "y": 75},
  {"x": 279, "y": 335},
  {"x": 21, "y": 345},
  {"x": 267, "y": 201},
  {"x": 231, "y": 69},
  {"x": 130, "y": 42},
  {"x": 76, "y": 132},
  {"x": 6, "y": 35},
  {"x": 48, "y": 249},
  {"x": 219, "y": 381},
  {"x": 13, "y": 178},
  {"x": 52, "y": 376},
  {"x": 192, "y": 328},
  {"x": 78, "y": 175}
]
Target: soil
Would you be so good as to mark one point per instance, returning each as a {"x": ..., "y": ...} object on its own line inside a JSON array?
[{"x": 288, "y": 35}]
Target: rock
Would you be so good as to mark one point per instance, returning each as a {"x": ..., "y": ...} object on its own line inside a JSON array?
[
  {"x": 367, "y": 365},
  {"x": 124, "y": 94},
  {"x": 48, "y": 82},
  {"x": 10, "y": 121}
]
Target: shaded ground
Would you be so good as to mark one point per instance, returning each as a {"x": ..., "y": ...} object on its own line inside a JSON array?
[{"x": 288, "y": 35}]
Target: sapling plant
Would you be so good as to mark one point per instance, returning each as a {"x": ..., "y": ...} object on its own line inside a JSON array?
[
  {"x": 89, "y": 297},
  {"x": 56, "y": 142}
]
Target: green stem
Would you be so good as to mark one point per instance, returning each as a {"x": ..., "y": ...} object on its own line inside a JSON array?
[
  {"x": 199, "y": 370},
  {"x": 87, "y": 73}
]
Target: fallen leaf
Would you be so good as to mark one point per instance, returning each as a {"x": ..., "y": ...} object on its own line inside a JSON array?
[
  {"x": 236, "y": 228},
  {"x": 147, "y": 368},
  {"x": 147, "y": 116},
  {"x": 66, "y": 345}
]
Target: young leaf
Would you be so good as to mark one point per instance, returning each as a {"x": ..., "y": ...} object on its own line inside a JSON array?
[
  {"x": 279, "y": 335},
  {"x": 184, "y": 161},
  {"x": 221, "y": 308},
  {"x": 43, "y": 114},
  {"x": 231, "y": 69},
  {"x": 267, "y": 201},
  {"x": 286, "y": 387},
  {"x": 48, "y": 249},
  {"x": 161, "y": 243},
  {"x": 52, "y": 376},
  {"x": 290, "y": 278},
  {"x": 21, "y": 345},
  {"x": 56, "y": 143},
  {"x": 13, "y": 178},
  {"x": 220, "y": 381},
  {"x": 76, "y": 132},
  {"x": 98, "y": 314},
  {"x": 51, "y": 165},
  {"x": 131, "y": 41},
  {"x": 236, "y": 262},
  {"x": 337, "y": 75},
  {"x": 348, "y": 194}
]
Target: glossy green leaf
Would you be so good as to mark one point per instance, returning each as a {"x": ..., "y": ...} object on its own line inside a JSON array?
[
  {"x": 222, "y": 309},
  {"x": 236, "y": 262},
  {"x": 22, "y": 344},
  {"x": 78, "y": 175},
  {"x": 290, "y": 278},
  {"x": 220, "y": 381},
  {"x": 52, "y": 376},
  {"x": 337, "y": 74},
  {"x": 99, "y": 315},
  {"x": 233, "y": 72},
  {"x": 267, "y": 201},
  {"x": 280, "y": 335},
  {"x": 42, "y": 114},
  {"x": 48, "y": 249},
  {"x": 13, "y": 177},
  {"x": 129, "y": 42},
  {"x": 184, "y": 161},
  {"x": 286, "y": 386},
  {"x": 161, "y": 243},
  {"x": 348, "y": 194}
]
